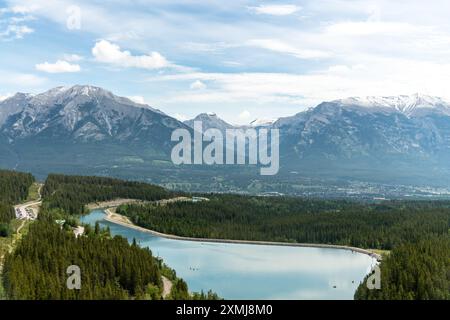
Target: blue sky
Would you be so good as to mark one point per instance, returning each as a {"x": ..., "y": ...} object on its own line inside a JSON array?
[{"x": 241, "y": 59}]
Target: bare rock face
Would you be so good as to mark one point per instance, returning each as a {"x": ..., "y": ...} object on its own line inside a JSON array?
[{"x": 83, "y": 114}]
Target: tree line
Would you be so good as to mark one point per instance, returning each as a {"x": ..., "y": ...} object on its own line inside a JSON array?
[
  {"x": 14, "y": 188},
  {"x": 413, "y": 271},
  {"x": 285, "y": 219},
  {"x": 72, "y": 193},
  {"x": 110, "y": 267}
]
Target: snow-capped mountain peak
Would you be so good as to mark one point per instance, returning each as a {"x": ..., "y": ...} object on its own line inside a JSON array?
[
  {"x": 262, "y": 122},
  {"x": 410, "y": 105},
  {"x": 83, "y": 112},
  {"x": 61, "y": 94}
]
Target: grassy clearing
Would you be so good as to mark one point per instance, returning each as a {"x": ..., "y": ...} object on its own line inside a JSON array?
[
  {"x": 33, "y": 193},
  {"x": 7, "y": 243},
  {"x": 383, "y": 253}
]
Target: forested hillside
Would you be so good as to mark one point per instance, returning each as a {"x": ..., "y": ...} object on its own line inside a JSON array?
[
  {"x": 111, "y": 268},
  {"x": 377, "y": 226},
  {"x": 13, "y": 189},
  {"x": 72, "y": 193},
  {"x": 416, "y": 232},
  {"x": 414, "y": 271}
]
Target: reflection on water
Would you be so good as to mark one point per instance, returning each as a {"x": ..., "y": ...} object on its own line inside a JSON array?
[{"x": 243, "y": 271}]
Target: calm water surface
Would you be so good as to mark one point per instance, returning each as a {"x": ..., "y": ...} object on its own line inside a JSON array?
[{"x": 243, "y": 271}]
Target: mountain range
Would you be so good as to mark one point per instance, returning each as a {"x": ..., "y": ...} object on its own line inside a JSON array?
[{"x": 89, "y": 130}]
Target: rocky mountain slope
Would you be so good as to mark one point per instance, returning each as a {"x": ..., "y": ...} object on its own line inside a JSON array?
[{"x": 89, "y": 129}]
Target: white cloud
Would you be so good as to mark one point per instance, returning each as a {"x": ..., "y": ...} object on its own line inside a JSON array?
[
  {"x": 5, "y": 96},
  {"x": 16, "y": 20},
  {"x": 107, "y": 52},
  {"x": 26, "y": 80},
  {"x": 181, "y": 117},
  {"x": 59, "y": 66},
  {"x": 210, "y": 47},
  {"x": 14, "y": 31},
  {"x": 244, "y": 115},
  {"x": 282, "y": 47},
  {"x": 276, "y": 10},
  {"x": 370, "y": 77},
  {"x": 232, "y": 63},
  {"x": 19, "y": 9},
  {"x": 197, "y": 85},
  {"x": 137, "y": 99},
  {"x": 15, "y": 27},
  {"x": 371, "y": 48},
  {"x": 23, "y": 9},
  {"x": 72, "y": 57},
  {"x": 365, "y": 28},
  {"x": 21, "y": 80}
]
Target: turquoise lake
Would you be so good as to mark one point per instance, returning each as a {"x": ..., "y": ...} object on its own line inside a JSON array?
[{"x": 244, "y": 271}]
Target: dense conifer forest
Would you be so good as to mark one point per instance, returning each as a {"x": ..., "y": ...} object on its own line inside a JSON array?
[
  {"x": 414, "y": 271},
  {"x": 13, "y": 189},
  {"x": 416, "y": 232},
  {"x": 111, "y": 268},
  {"x": 72, "y": 193},
  {"x": 376, "y": 226}
]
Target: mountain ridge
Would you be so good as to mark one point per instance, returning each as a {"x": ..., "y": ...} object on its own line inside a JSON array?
[
  {"x": 406, "y": 104},
  {"x": 77, "y": 128},
  {"x": 85, "y": 112}
]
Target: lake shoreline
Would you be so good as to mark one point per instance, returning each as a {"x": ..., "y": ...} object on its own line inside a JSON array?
[{"x": 114, "y": 218}]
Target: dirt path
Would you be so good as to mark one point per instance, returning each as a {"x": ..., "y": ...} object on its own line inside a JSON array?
[
  {"x": 111, "y": 213},
  {"x": 167, "y": 287},
  {"x": 16, "y": 236},
  {"x": 111, "y": 204}
]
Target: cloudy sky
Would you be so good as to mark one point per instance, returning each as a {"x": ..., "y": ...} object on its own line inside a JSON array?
[{"x": 240, "y": 59}]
